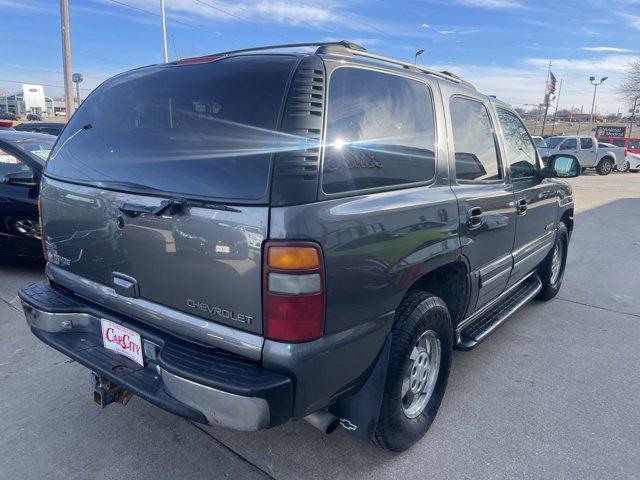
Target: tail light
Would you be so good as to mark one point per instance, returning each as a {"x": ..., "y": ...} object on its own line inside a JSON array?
[
  {"x": 626, "y": 151},
  {"x": 293, "y": 291},
  {"x": 42, "y": 240}
]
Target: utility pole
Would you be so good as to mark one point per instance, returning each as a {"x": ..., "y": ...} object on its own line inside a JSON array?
[
  {"x": 66, "y": 57},
  {"x": 633, "y": 115},
  {"x": 580, "y": 122},
  {"x": 164, "y": 32},
  {"x": 553, "y": 127}
]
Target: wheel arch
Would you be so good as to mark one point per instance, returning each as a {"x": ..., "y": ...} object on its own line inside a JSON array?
[{"x": 451, "y": 282}]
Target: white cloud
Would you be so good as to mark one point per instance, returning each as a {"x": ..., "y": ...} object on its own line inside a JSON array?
[
  {"x": 607, "y": 49},
  {"x": 634, "y": 20},
  {"x": 456, "y": 31},
  {"x": 491, "y": 4}
]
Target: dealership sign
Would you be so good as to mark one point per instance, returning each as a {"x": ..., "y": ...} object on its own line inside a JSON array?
[{"x": 611, "y": 131}]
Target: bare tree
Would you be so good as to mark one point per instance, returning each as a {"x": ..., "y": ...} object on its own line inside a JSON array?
[{"x": 629, "y": 89}]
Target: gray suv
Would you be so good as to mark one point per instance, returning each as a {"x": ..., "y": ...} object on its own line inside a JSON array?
[{"x": 255, "y": 236}]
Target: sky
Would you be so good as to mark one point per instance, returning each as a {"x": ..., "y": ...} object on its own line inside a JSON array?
[{"x": 502, "y": 46}]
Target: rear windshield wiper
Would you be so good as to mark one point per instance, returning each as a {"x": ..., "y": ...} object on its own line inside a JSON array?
[{"x": 172, "y": 207}]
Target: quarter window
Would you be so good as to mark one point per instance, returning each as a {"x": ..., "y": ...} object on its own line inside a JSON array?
[
  {"x": 520, "y": 151},
  {"x": 380, "y": 131},
  {"x": 474, "y": 142}
]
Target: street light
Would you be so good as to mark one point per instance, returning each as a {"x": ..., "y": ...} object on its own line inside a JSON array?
[
  {"x": 77, "y": 78},
  {"x": 595, "y": 84},
  {"x": 418, "y": 53}
]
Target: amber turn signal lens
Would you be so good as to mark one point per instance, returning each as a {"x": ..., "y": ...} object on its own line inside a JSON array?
[{"x": 293, "y": 258}]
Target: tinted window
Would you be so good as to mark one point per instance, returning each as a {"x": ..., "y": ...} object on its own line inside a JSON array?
[
  {"x": 635, "y": 144},
  {"x": 569, "y": 144},
  {"x": 619, "y": 142},
  {"x": 204, "y": 129},
  {"x": 586, "y": 143},
  {"x": 380, "y": 131},
  {"x": 38, "y": 146},
  {"x": 553, "y": 142},
  {"x": 521, "y": 153},
  {"x": 474, "y": 142}
]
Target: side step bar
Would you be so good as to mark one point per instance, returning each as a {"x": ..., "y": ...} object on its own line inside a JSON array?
[{"x": 472, "y": 335}]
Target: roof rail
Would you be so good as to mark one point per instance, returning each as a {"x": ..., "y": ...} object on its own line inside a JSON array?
[{"x": 358, "y": 50}]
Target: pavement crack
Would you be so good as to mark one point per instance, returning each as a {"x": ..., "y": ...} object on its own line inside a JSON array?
[
  {"x": 231, "y": 450},
  {"x": 12, "y": 306},
  {"x": 600, "y": 308}
]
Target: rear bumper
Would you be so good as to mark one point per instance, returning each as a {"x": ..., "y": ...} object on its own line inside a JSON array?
[{"x": 203, "y": 384}]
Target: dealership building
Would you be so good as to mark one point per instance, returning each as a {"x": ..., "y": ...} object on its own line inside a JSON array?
[{"x": 31, "y": 100}]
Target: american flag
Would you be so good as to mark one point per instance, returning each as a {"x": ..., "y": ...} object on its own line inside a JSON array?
[{"x": 552, "y": 82}]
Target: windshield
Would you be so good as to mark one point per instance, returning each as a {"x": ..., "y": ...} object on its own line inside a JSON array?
[
  {"x": 203, "y": 129},
  {"x": 553, "y": 142},
  {"x": 38, "y": 147}
]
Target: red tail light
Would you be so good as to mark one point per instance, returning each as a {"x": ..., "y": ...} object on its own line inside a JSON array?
[
  {"x": 42, "y": 240},
  {"x": 293, "y": 291},
  {"x": 625, "y": 153}
]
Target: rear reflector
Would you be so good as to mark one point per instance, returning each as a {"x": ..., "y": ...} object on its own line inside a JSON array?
[{"x": 293, "y": 296}]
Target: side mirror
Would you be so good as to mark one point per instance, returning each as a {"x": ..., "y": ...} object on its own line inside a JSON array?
[
  {"x": 25, "y": 178},
  {"x": 563, "y": 166}
]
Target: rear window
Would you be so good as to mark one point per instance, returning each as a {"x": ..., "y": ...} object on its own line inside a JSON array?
[
  {"x": 202, "y": 130},
  {"x": 380, "y": 131}
]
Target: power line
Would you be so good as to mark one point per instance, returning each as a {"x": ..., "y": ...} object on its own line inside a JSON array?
[{"x": 43, "y": 84}]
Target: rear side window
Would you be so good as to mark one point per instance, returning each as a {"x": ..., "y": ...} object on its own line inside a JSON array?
[
  {"x": 380, "y": 131},
  {"x": 203, "y": 130},
  {"x": 474, "y": 142},
  {"x": 586, "y": 143}
]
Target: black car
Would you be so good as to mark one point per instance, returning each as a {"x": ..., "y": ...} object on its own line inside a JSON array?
[
  {"x": 35, "y": 117},
  {"x": 9, "y": 116},
  {"x": 22, "y": 157},
  {"x": 50, "y": 128}
]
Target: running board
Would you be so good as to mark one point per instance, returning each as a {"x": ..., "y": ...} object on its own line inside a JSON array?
[{"x": 472, "y": 335}]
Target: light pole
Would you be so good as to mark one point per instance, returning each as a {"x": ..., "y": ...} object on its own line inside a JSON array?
[
  {"x": 66, "y": 56},
  {"x": 164, "y": 32},
  {"x": 77, "y": 78},
  {"x": 417, "y": 54},
  {"x": 595, "y": 84}
]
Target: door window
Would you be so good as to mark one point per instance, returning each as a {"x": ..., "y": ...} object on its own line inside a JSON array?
[
  {"x": 569, "y": 144},
  {"x": 521, "y": 153},
  {"x": 380, "y": 131},
  {"x": 619, "y": 142},
  {"x": 586, "y": 143},
  {"x": 475, "y": 147}
]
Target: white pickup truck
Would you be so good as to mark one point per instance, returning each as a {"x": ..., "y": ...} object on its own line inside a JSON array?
[{"x": 586, "y": 150}]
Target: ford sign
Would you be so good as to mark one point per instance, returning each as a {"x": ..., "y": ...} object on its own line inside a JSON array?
[{"x": 33, "y": 89}]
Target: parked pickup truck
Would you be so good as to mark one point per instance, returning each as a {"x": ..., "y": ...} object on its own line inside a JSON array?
[
  {"x": 586, "y": 150},
  {"x": 251, "y": 237}
]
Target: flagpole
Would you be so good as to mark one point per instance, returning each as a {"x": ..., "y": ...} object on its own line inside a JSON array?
[
  {"x": 553, "y": 127},
  {"x": 546, "y": 100}
]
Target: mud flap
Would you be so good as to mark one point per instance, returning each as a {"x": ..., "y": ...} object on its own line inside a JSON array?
[{"x": 359, "y": 412}]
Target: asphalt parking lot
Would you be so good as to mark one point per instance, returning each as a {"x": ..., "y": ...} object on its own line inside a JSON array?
[{"x": 554, "y": 393}]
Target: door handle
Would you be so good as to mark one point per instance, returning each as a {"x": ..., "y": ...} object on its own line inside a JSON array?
[
  {"x": 522, "y": 206},
  {"x": 474, "y": 217}
]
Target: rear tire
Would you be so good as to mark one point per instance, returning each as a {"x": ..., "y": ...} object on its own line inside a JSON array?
[
  {"x": 416, "y": 377},
  {"x": 551, "y": 270},
  {"x": 605, "y": 166}
]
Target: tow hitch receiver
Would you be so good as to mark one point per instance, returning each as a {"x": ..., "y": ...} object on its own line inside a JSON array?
[{"x": 106, "y": 392}]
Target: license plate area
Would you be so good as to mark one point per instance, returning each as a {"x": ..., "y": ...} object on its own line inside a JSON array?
[{"x": 122, "y": 340}]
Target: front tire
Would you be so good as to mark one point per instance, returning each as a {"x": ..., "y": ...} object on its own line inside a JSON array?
[
  {"x": 551, "y": 270},
  {"x": 623, "y": 167},
  {"x": 605, "y": 166},
  {"x": 418, "y": 371}
]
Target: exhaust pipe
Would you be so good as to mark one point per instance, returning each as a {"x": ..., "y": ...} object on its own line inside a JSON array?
[
  {"x": 105, "y": 392},
  {"x": 323, "y": 421}
]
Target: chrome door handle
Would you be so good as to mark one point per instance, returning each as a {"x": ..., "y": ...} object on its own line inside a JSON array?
[
  {"x": 474, "y": 217},
  {"x": 522, "y": 206}
]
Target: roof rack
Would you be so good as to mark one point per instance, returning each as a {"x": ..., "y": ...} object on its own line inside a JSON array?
[{"x": 346, "y": 46}]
